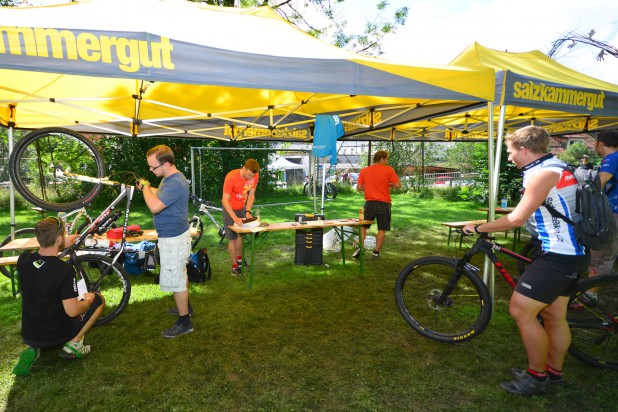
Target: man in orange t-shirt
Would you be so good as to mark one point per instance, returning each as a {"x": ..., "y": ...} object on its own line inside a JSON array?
[
  {"x": 376, "y": 181},
  {"x": 238, "y": 197}
]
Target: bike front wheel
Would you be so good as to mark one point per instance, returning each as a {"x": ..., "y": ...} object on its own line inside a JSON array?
[
  {"x": 456, "y": 316},
  {"x": 593, "y": 319},
  {"x": 38, "y": 156},
  {"x": 110, "y": 280}
]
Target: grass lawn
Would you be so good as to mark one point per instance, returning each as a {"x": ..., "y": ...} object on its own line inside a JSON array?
[{"x": 306, "y": 338}]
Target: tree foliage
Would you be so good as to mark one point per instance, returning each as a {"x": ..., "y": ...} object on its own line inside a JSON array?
[
  {"x": 472, "y": 158},
  {"x": 575, "y": 152},
  {"x": 324, "y": 19},
  {"x": 128, "y": 154}
]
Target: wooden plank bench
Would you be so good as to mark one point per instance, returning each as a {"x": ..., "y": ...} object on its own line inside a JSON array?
[
  {"x": 12, "y": 262},
  {"x": 457, "y": 226}
]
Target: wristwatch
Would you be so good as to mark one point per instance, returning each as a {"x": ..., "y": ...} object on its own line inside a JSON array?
[{"x": 247, "y": 211}]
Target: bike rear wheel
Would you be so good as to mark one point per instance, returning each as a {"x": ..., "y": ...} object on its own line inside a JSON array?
[
  {"x": 331, "y": 191},
  {"x": 37, "y": 156},
  {"x": 593, "y": 319},
  {"x": 26, "y": 232},
  {"x": 113, "y": 284},
  {"x": 461, "y": 315}
]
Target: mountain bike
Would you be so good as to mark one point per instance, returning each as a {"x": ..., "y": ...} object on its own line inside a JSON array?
[
  {"x": 444, "y": 299},
  {"x": 41, "y": 166},
  {"x": 330, "y": 191},
  {"x": 75, "y": 222},
  {"x": 203, "y": 208}
]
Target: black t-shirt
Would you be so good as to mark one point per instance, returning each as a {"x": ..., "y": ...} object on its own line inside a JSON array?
[{"x": 45, "y": 282}]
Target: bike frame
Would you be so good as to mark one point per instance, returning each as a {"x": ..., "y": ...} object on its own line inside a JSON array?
[
  {"x": 204, "y": 209},
  {"x": 484, "y": 245},
  {"x": 126, "y": 192}
]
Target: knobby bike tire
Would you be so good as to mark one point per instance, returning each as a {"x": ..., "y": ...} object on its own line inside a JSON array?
[
  {"x": 26, "y": 232},
  {"x": 115, "y": 285},
  {"x": 199, "y": 228},
  {"x": 593, "y": 319},
  {"x": 330, "y": 191},
  {"x": 39, "y": 153},
  {"x": 463, "y": 315}
]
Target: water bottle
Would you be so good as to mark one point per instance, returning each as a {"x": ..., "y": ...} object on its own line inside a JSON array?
[
  {"x": 93, "y": 243},
  {"x": 361, "y": 214},
  {"x": 503, "y": 203}
]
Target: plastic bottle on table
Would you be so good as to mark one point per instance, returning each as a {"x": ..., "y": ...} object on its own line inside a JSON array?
[
  {"x": 503, "y": 203},
  {"x": 361, "y": 214}
]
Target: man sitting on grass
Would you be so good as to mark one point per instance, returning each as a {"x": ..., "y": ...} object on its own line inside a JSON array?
[{"x": 52, "y": 312}]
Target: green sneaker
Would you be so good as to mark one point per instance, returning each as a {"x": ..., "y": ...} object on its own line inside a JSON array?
[
  {"x": 74, "y": 350},
  {"x": 26, "y": 360}
]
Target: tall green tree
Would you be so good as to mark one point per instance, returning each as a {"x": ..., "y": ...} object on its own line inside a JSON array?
[{"x": 325, "y": 20}]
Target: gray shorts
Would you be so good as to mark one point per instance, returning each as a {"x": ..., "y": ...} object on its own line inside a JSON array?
[
  {"x": 174, "y": 253},
  {"x": 227, "y": 221}
]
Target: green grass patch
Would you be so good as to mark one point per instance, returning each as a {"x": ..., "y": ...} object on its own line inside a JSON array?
[{"x": 306, "y": 338}]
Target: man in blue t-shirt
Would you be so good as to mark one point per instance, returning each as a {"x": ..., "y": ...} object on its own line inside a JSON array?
[
  {"x": 602, "y": 261},
  {"x": 170, "y": 205}
]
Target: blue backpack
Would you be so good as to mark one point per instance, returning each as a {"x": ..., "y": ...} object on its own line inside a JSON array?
[{"x": 198, "y": 267}]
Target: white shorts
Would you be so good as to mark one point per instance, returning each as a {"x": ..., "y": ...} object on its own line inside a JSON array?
[{"x": 173, "y": 255}]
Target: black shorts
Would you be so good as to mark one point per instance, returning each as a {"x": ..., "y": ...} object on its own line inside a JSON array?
[
  {"x": 551, "y": 275},
  {"x": 81, "y": 320},
  {"x": 374, "y": 209},
  {"x": 228, "y": 221}
]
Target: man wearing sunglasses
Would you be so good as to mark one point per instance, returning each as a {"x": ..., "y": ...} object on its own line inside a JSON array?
[
  {"x": 52, "y": 313},
  {"x": 170, "y": 205}
]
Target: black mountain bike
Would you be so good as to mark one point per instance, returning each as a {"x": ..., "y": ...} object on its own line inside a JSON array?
[
  {"x": 444, "y": 299},
  {"x": 330, "y": 191},
  {"x": 41, "y": 167}
]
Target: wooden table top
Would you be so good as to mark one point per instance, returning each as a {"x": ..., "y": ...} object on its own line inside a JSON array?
[
  {"x": 309, "y": 224},
  {"x": 31, "y": 243}
]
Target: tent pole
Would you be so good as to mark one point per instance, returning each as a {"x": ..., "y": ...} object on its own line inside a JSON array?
[
  {"x": 323, "y": 184},
  {"x": 500, "y": 133},
  {"x": 422, "y": 180},
  {"x": 193, "y": 171},
  {"x": 11, "y": 188},
  {"x": 488, "y": 268}
]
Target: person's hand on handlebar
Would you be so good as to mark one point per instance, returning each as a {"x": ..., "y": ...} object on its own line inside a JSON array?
[
  {"x": 142, "y": 183},
  {"x": 471, "y": 229}
]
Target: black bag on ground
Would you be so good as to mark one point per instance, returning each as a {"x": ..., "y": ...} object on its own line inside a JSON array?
[
  {"x": 595, "y": 227},
  {"x": 198, "y": 267}
]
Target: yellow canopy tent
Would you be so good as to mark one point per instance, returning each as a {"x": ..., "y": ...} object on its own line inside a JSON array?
[
  {"x": 184, "y": 69},
  {"x": 531, "y": 88}
]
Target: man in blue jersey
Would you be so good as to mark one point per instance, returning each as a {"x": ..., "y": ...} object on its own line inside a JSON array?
[
  {"x": 170, "y": 205},
  {"x": 545, "y": 286},
  {"x": 602, "y": 261}
]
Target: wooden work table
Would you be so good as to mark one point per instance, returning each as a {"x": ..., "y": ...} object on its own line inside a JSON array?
[{"x": 337, "y": 224}]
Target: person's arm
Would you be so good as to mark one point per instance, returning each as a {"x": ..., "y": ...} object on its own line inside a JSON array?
[
  {"x": 394, "y": 182},
  {"x": 605, "y": 177},
  {"x": 75, "y": 307},
  {"x": 250, "y": 201},
  {"x": 360, "y": 183},
  {"x": 534, "y": 196},
  {"x": 225, "y": 202},
  {"x": 150, "y": 197}
]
